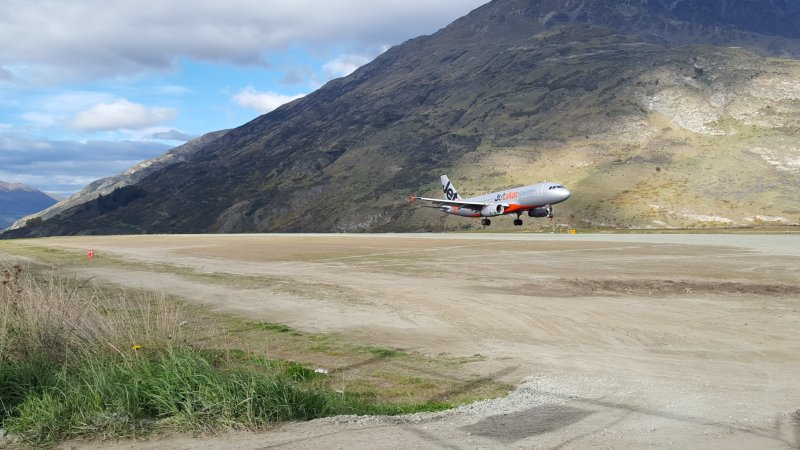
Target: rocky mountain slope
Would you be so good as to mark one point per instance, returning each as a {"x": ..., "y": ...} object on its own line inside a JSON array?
[
  {"x": 654, "y": 113},
  {"x": 105, "y": 186},
  {"x": 17, "y": 200}
]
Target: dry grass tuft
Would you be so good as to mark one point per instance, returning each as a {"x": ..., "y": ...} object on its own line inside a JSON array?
[{"x": 58, "y": 317}]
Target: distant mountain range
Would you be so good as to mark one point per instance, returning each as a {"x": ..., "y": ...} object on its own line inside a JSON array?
[
  {"x": 654, "y": 113},
  {"x": 18, "y": 200}
]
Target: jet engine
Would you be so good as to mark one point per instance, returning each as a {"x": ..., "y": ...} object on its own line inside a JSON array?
[
  {"x": 542, "y": 211},
  {"x": 492, "y": 209}
]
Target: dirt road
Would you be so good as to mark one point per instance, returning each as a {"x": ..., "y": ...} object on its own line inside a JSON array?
[{"x": 628, "y": 341}]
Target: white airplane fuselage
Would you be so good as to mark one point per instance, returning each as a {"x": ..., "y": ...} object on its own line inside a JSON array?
[
  {"x": 521, "y": 199},
  {"x": 535, "y": 199}
]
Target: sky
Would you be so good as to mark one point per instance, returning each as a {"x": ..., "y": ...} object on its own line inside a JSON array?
[{"x": 89, "y": 88}]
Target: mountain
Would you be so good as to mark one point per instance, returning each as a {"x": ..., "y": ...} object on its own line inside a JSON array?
[
  {"x": 17, "y": 200},
  {"x": 105, "y": 186},
  {"x": 654, "y": 113}
]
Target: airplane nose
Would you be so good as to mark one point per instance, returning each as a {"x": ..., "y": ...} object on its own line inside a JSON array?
[{"x": 565, "y": 193}]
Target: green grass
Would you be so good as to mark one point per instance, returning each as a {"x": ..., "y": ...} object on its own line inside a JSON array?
[
  {"x": 134, "y": 394},
  {"x": 383, "y": 352},
  {"x": 82, "y": 360},
  {"x": 279, "y": 327}
]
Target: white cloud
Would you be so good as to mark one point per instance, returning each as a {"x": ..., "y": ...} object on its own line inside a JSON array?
[
  {"x": 163, "y": 134},
  {"x": 41, "y": 119},
  {"x": 93, "y": 111},
  {"x": 344, "y": 65},
  {"x": 169, "y": 89},
  {"x": 71, "y": 101},
  {"x": 262, "y": 102},
  {"x": 67, "y": 166},
  {"x": 45, "y": 41},
  {"x": 121, "y": 115},
  {"x": 6, "y": 75},
  {"x": 297, "y": 76}
]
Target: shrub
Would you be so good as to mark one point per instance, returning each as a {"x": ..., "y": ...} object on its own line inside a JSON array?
[
  {"x": 119, "y": 197},
  {"x": 33, "y": 221}
]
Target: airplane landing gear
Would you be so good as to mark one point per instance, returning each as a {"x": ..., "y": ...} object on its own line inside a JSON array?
[
  {"x": 486, "y": 222},
  {"x": 518, "y": 221}
]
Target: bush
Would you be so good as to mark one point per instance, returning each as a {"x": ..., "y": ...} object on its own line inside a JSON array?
[
  {"x": 119, "y": 197},
  {"x": 33, "y": 221}
]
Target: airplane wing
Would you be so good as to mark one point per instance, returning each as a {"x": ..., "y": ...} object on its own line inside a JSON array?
[{"x": 443, "y": 202}]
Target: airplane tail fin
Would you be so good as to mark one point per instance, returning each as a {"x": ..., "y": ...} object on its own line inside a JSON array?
[{"x": 449, "y": 190}]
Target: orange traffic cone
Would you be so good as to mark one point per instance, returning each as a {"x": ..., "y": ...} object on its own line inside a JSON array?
[{"x": 90, "y": 253}]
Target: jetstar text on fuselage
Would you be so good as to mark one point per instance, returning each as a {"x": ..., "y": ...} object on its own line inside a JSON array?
[{"x": 507, "y": 196}]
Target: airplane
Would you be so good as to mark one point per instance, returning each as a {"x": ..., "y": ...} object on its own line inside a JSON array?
[{"x": 537, "y": 199}]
